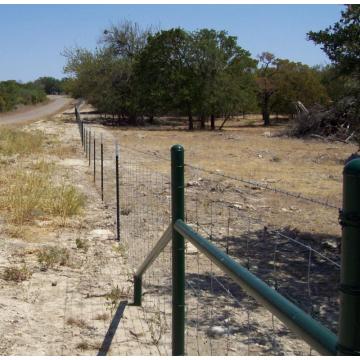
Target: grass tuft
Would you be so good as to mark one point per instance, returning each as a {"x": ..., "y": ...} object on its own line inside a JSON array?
[
  {"x": 30, "y": 194},
  {"x": 52, "y": 256},
  {"x": 16, "y": 274},
  {"x": 15, "y": 141}
]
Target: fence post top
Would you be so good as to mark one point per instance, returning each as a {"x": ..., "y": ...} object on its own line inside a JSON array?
[
  {"x": 352, "y": 168},
  {"x": 177, "y": 148}
]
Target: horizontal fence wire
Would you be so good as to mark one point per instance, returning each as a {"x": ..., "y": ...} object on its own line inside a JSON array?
[
  {"x": 257, "y": 184},
  {"x": 303, "y": 265}
]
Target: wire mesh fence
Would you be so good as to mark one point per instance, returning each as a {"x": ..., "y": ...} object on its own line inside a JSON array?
[{"x": 220, "y": 318}]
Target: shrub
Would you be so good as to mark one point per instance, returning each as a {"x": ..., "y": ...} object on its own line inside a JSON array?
[
  {"x": 16, "y": 274},
  {"x": 52, "y": 256}
]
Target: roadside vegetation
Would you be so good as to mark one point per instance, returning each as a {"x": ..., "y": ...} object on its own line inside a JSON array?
[
  {"x": 28, "y": 190},
  {"x": 13, "y": 94}
]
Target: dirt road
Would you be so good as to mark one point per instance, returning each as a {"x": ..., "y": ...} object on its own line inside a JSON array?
[{"x": 56, "y": 103}]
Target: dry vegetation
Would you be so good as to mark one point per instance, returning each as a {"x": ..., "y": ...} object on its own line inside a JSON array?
[
  {"x": 248, "y": 150},
  {"x": 28, "y": 187}
]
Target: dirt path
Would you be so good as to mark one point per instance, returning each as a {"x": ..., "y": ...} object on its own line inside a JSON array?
[
  {"x": 68, "y": 310},
  {"x": 56, "y": 103}
]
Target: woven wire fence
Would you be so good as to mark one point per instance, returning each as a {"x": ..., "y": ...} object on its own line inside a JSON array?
[{"x": 220, "y": 318}]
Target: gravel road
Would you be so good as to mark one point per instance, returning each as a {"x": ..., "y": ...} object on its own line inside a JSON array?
[{"x": 57, "y": 102}]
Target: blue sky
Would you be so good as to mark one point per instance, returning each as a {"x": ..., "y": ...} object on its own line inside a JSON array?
[{"x": 33, "y": 36}]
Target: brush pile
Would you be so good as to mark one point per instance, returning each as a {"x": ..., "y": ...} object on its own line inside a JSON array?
[{"x": 340, "y": 122}]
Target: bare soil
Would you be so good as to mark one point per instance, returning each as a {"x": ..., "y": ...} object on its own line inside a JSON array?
[
  {"x": 30, "y": 113},
  {"x": 290, "y": 243}
]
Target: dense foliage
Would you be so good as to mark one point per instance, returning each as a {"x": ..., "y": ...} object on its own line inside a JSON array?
[
  {"x": 50, "y": 85},
  {"x": 204, "y": 74},
  {"x": 13, "y": 94}
]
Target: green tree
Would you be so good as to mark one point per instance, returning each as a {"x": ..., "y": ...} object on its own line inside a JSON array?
[
  {"x": 49, "y": 84},
  {"x": 203, "y": 73},
  {"x": 165, "y": 74},
  {"x": 282, "y": 82},
  {"x": 341, "y": 41},
  {"x": 223, "y": 75}
]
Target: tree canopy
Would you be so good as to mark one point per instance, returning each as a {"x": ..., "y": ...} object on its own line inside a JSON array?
[
  {"x": 341, "y": 41},
  {"x": 13, "y": 94},
  {"x": 205, "y": 74}
]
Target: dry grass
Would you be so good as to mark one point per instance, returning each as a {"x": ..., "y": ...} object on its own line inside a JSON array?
[
  {"x": 311, "y": 167},
  {"x": 30, "y": 194},
  {"x": 53, "y": 256},
  {"x": 247, "y": 150},
  {"x": 82, "y": 244},
  {"x": 103, "y": 316},
  {"x": 15, "y": 141},
  {"x": 76, "y": 322},
  {"x": 16, "y": 274}
]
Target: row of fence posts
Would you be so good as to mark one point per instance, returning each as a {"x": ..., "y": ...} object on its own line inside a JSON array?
[
  {"x": 349, "y": 322},
  {"x": 88, "y": 141}
]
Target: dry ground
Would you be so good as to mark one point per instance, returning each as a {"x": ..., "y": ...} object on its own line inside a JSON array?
[
  {"x": 254, "y": 222},
  {"x": 67, "y": 309},
  {"x": 246, "y": 150},
  {"x": 61, "y": 277}
]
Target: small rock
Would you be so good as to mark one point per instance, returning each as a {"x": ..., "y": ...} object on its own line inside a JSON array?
[
  {"x": 54, "y": 283},
  {"x": 193, "y": 183},
  {"x": 216, "y": 331},
  {"x": 237, "y": 206},
  {"x": 191, "y": 249}
]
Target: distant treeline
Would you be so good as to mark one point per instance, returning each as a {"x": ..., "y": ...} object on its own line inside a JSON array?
[
  {"x": 138, "y": 74},
  {"x": 13, "y": 93}
]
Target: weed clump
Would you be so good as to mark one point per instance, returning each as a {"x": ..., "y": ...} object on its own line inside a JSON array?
[
  {"x": 82, "y": 244},
  {"x": 16, "y": 274},
  {"x": 76, "y": 322},
  {"x": 14, "y": 141},
  {"x": 32, "y": 194},
  {"x": 50, "y": 257},
  {"x": 114, "y": 296}
]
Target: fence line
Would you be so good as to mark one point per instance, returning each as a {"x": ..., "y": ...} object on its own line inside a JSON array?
[
  {"x": 246, "y": 181},
  {"x": 149, "y": 195}
]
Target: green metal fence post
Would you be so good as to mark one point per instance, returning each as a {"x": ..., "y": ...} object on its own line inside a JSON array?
[
  {"x": 137, "y": 290},
  {"x": 85, "y": 143},
  {"x": 178, "y": 256},
  {"x": 102, "y": 168},
  {"x": 89, "y": 147},
  {"x": 117, "y": 192},
  {"x": 349, "y": 322},
  {"x": 94, "y": 159}
]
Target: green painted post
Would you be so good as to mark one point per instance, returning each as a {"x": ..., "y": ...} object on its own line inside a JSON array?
[
  {"x": 94, "y": 158},
  {"x": 89, "y": 147},
  {"x": 349, "y": 323},
  {"x": 102, "y": 168},
  {"x": 137, "y": 290},
  {"x": 178, "y": 256},
  {"x": 117, "y": 192},
  {"x": 85, "y": 143}
]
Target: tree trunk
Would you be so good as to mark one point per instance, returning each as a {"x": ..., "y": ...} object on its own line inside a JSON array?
[
  {"x": 212, "y": 122},
  {"x": 133, "y": 119},
  {"x": 202, "y": 122},
  {"x": 151, "y": 119},
  {"x": 191, "y": 122},
  {"x": 265, "y": 111}
]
